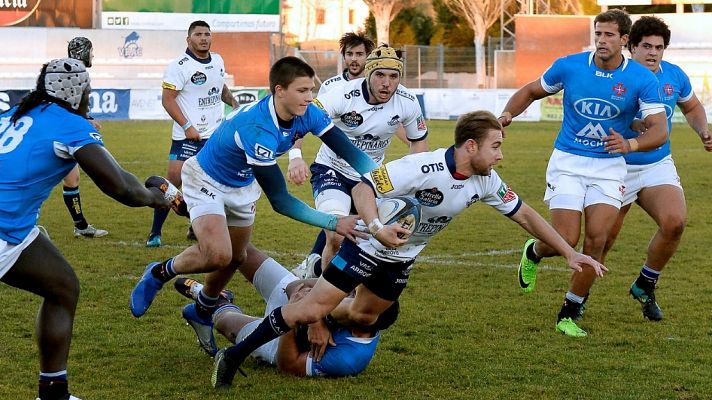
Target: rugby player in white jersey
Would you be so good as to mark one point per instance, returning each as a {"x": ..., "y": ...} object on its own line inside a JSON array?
[
  {"x": 194, "y": 91},
  {"x": 652, "y": 179},
  {"x": 369, "y": 110},
  {"x": 446, "y": 182}
]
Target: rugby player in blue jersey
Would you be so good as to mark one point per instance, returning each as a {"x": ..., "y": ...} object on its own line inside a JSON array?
[
  {"x": 325, "y": 348},
  {"x": 652, "y": 179},
  {"x": 222, "y": 183},
  {"x": 603, "y": 92},
  {"x": 41, "y": 140}
]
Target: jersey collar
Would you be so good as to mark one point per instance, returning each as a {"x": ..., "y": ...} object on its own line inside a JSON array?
[
  {"x": 450, "y": 161},
  {"x": 200, "y": 60},
  {"x": 591, "y": 61},
  {"x": 345, "y": 74}
]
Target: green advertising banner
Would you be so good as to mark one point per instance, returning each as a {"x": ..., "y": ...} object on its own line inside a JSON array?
[
  {"x": 194, "y": 6},
  {"x": 221, "y": 15}
]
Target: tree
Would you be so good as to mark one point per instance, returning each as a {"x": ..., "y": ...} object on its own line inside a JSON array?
[
  {"x": 480, "y": 14},
  {"x": 384, "y": 11},
  {"x": 450, "y": 30}
]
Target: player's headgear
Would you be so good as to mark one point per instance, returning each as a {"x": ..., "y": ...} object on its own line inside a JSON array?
[
  {"x": 66, "y": 79},
  {"x": 79, "y": 48},
  {"x": 384, "y": 57}
]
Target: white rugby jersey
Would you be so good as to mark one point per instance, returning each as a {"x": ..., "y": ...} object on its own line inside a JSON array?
[
  {"x": 430, "y": 177},
  {"x": 200, "y": 84},
  {"x": 334, "y": 82},
  {"x": 370, "y": 127}
]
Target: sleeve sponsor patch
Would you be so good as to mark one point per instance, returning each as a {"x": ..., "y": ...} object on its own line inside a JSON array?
[
  {"x": 506, "y": 193},
  {"x": 381, "y": 180},
  {"x": 317, "y": 103},
  {"x": 167, "y": 85},
  {"x": 263, "y": 153},
  {"x": 421, "y": 124}
]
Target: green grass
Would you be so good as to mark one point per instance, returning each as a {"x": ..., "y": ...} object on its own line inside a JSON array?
[{"x": 465, "y": 330}]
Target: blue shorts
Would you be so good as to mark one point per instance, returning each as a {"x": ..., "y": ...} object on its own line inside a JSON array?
[
  {"x": 352, "y": 267},
  {"x": 182, "y": 150},
  {"x": 325, "y": 178}
]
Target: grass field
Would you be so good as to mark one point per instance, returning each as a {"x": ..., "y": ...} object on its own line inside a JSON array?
[{"x": 465, "y": 330}]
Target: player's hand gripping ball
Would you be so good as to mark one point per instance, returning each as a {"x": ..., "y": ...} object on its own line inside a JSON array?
[
  {"x": 401, "y": 210},
  {"x": 170, "y": 193}
]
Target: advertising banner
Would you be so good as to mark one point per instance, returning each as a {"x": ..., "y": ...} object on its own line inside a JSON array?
[
  {"x": 48, "y": 13},
  {"x": 109, "y": 104},
  {"x": 222, "y": 16}
]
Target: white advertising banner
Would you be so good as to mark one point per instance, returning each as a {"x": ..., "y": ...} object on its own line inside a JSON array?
[{"x": 181, "y": 21}]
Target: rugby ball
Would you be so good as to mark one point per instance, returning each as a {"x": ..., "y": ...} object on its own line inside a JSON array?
[
  {"x": 401, "y": 210},
  {"x": 170, "y": 193}
]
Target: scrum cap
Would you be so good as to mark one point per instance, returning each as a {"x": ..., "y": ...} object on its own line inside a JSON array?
[
  {"x": 66, "y": 79},
  {"x": 384, "y": 57},
  {"x": 79, "y": 48}
]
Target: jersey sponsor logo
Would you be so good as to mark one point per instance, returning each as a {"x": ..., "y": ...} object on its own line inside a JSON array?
[
  {"x": 207, "y": 193},
  {"x": 97, "y": 136},
  {"x": 213, "y": 90},
  {"x": 434, "y": 167},
  {"x": 131, "y": 48},
  {"x": 167, "y": 85},
  {"x": 619, "y": 89},
  {"x": 474, "y": 199},
  {"x": 405, "y": 94},
  {"x": 375, "y": 108},
  {"x": 198, "y": 78},
  {"x": 262, "y": 152},
  {"x": 209, "y": 101},
  {"x": 382, "y": 180},
  {"x": 395, "y": 120},
  {"x": 430, "y": 197},
  {"x": 208, "y": 67},
  {"x": 352, "y": 119},
  {"x": 332, "y": 80},
  {"x": 596, "y": 109},
  {"x": 457, "y": 186},
  {"x": 317, "y": 103},
  {"x": 353, "y": 93},
  {"x": 505, "y": 193},
  {"x": 182, "y": 60},
  {"x": 602, "y": 74},
  {"x": 421, "y": 124},
  {"x": 591, "y": 135}
]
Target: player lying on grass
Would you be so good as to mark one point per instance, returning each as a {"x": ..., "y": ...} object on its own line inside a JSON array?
[
  {"x": 325, "y": 348},
  {"x": 445, "y": 182}
]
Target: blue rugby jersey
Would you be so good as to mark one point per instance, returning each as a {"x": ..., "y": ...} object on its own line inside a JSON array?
[{"x": 350, "y": 356}]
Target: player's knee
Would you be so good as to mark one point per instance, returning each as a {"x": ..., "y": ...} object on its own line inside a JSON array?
[
  {"x": 217, "y": 258},
  {"x": 672, "y": 226},
  {"x": 363, "y": 318}
]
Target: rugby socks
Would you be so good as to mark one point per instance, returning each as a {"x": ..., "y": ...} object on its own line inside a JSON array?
[
  {"x": 647, "y": 279},
  {"x": 74, "y": 204},
  {"x": 53, "y": 385},
  {"x": 159, "y": 218},
  {"x": 271, "y": 327},
  {"x": 164, "y": 271},
  {"x": 205, "y": 305},
  {"x": 318, "y": 248},
  {"x": 531, "y": 253},
  {"x": 571, "y": 306}
]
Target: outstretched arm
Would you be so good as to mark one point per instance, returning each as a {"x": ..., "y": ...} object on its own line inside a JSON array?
[
  {"x": 340, "y": 144},
  {"x": 533, "y": 223},
  {"x": 272, "y": 182},
  {"x": 116, "y": 182},
  {"x": 522, "y": 99}
]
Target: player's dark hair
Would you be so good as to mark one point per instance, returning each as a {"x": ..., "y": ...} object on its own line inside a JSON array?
[
  {"x": 196, "y": 24},
  {"x": 385, "y": 320},
  {"x": 353, "y": 39},
  {"x": 39, "y": 96},
  {"x": 648, "y": 26},
  {"x": 616, "y": 16},
  {"x": 475, "y": 125},
  {"x": 286, "y": 70}
]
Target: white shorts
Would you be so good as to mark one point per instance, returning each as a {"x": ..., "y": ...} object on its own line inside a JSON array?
[
  {"x": 575, "y": 182},
  {"x": 270, "y": 280},
  {"x": 9, "y": 253},
  {"x": 640, "y": 177},
  {"x": 204, "y": 196}
]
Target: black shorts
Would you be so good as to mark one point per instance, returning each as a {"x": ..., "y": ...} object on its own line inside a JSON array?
[
  {"x": 352, "y": 267},
  {"x": 182, "y": 150}
]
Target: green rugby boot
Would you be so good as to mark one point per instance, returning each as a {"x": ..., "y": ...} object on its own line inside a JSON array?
[
  {"x": 527, "y": 270},
  {"x": 568, "y": 327}
]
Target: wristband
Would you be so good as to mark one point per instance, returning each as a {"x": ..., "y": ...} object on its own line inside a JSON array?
[
  {"x": 375, "y": 226},
  {"x": 295, "y": 153},
  {"x": 186, "y": 125},
  {"x": 633, "y": 143}
]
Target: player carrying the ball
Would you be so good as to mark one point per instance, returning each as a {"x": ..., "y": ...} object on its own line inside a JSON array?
[
  {"x": 222, "y": 183},
  {"x": 445, "y": 182}
]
